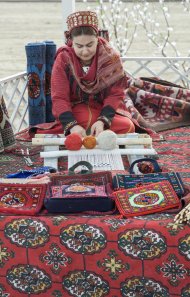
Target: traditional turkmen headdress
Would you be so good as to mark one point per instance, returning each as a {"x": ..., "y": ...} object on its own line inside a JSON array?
[{"x": 82, "y": 18}]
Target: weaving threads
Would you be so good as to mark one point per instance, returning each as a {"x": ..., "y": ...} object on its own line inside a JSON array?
[{"x": 100, "y": 160}]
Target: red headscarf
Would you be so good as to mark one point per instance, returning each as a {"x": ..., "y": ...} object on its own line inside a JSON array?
[{"x": 105, "y": 70}]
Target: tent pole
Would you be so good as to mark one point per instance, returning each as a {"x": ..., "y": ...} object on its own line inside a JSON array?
[{"x": 68, "y": 6}]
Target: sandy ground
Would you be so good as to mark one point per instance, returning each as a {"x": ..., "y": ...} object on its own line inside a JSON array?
[{"x": 21, "y": 23}]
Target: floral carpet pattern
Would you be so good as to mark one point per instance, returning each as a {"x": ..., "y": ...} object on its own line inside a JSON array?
[
  {"x": 78, "y": 256},
  {"x": 97, "y": 256}
]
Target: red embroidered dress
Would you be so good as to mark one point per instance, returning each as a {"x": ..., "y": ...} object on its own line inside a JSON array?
[{"x": 82, "y": 97}]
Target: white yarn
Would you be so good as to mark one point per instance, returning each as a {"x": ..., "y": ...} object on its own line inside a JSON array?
[{"x": 107, "y": 140}]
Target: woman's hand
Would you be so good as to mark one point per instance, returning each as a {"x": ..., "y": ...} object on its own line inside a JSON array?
[
  {"x": 79, "y": 130},
  {"x": 97, "y": 128}
]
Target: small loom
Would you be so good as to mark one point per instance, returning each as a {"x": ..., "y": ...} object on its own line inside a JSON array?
[{"x": 136, "y": 146}]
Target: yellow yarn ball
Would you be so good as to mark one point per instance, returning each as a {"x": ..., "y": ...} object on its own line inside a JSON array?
[{"x": 89, "y": 142}]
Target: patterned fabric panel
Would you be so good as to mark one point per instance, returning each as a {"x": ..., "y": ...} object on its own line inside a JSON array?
[{"x": 62, "y": 256}]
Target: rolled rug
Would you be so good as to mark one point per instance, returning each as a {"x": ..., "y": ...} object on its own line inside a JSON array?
[
  {"x": 50, "y": 55},
  {"x": 7, "y": 138},
  {"x": 36, "y": 59}
]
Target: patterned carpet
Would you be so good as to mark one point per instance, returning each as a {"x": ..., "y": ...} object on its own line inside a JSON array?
[
  {"x": 173, "y": 149},
  {"x": 91, "y": 256},
  {"x": 174, "y": 152}
]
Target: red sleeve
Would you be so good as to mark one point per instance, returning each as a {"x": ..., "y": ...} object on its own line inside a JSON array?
[
  {"x": 60, "y": 87},
  {"x": 112, "y": 101},
  {"x": 115, "y": 95}
]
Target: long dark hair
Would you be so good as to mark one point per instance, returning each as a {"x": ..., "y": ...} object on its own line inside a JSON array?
[{"x": 84, "y": 30}]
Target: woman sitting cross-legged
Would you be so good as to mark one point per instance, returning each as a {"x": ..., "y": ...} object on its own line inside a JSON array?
[{"x": 88, "y": 82}]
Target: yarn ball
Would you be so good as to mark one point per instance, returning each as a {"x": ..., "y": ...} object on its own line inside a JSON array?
[
  {"x": 89, "y": 142},
  {"x": 146, "y": 167},
  {"x": 107, "y": 140},
  {"x": 73, "y": 142}
]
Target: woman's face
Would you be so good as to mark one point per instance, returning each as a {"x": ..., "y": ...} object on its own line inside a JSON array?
[{"x": 85, "y": 47}]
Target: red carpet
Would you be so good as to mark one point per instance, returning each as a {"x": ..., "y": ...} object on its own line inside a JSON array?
[
  {"x": 174, "y": 152},
  {"x": 104, "y": 256}
]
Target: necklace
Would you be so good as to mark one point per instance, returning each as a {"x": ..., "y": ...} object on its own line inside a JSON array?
[
  {"x": 85, "y": 69},
  {"x": 85, "y": 66}
]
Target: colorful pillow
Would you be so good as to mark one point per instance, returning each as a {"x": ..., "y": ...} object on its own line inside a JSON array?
[
  {"x": 126, "y": 181},
  {"x": 146, "y": 199},
  {"x": 80, "y": 193},
  {"x": 24, "y": 199}
]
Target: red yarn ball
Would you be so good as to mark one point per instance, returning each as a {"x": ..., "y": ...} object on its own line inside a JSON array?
[{"x": 73, "y": 142}]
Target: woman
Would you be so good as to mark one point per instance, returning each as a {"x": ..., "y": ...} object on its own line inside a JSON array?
[{"x": 88, "y": 82}]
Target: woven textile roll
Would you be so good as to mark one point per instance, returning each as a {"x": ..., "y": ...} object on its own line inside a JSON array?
[
  {"x": 36, "y": 59},
  {"x": 50, "y": 55},
  {"x": 6, "y": 133}
]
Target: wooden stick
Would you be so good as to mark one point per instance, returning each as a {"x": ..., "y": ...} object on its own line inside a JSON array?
[
  {"x": 49, "y": 135},
  {"x": 120, "y": 141},
  {"x": 128, "y": 135},
  {"x": 132, "y": 151},
  {"x": 48, "y": 141}
]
